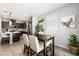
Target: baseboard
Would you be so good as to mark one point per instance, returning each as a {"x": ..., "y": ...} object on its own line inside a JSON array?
[{"x": 61, "y": 46}]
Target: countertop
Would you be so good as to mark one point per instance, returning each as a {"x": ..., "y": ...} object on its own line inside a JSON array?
[{"x": 4, "y": 35}]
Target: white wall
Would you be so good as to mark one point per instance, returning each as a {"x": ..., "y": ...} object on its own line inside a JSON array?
[
  {"x": 34, "y": 23},
  {"x": 53, "y": 24}
]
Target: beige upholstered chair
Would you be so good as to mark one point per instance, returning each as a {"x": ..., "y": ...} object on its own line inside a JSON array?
[
  {"x": 37, "y": 45},
  {"x": 26, "y": 43},
  {"x": 25, "y": 39}
]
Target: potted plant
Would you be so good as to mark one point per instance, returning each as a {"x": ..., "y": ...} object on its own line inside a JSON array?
[
  {"x": 73, "y": 39},
  {"x": 73, "y": 44}
]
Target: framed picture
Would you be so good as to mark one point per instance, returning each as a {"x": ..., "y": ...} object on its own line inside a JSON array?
[{"x": 68, "y": 21}]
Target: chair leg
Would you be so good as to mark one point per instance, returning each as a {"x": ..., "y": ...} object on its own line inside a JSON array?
[
  {"x": 50, "y": 46},
  {"x": 28, "y": 52},
  {"x": 37, "y": 54},
  {"x": 24, "y": 49}
]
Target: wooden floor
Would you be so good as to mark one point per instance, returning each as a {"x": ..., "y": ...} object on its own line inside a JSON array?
[{"x": 16, "y": 49}]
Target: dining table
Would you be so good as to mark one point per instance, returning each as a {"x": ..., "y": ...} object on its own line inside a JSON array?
[{"x": 44, "y": 38}]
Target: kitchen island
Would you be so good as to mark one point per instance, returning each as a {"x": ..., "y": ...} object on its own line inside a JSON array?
[{"x": 13, "y": 36}]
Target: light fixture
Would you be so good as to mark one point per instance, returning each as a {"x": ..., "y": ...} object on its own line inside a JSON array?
[{"x": 10, "y": 23}]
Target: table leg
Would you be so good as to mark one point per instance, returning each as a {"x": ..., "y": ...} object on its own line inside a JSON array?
[
  {"x": 53, "y": 45},
  {"x": 44, "y": 48},
  {"x": 11, "y": 38},
  {"x": 24, "y": 49}
]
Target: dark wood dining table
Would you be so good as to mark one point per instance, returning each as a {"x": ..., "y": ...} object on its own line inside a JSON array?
[{"x": 44, "y": 40}]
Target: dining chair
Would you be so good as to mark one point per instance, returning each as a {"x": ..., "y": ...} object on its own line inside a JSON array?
[
  {"x": 35, "y": 45},
  {"x": 26, "y": 43}
]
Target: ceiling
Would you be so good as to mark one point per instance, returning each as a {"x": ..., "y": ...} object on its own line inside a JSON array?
[{"x": 22, "y": 10}]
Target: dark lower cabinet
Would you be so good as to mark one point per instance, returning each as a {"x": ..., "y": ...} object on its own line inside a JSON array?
[
  {"x": 16, "y": 37},
  {"x": 5, "y": 40}
]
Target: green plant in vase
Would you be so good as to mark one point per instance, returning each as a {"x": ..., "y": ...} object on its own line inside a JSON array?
[{"x": 39, "y": 26}]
